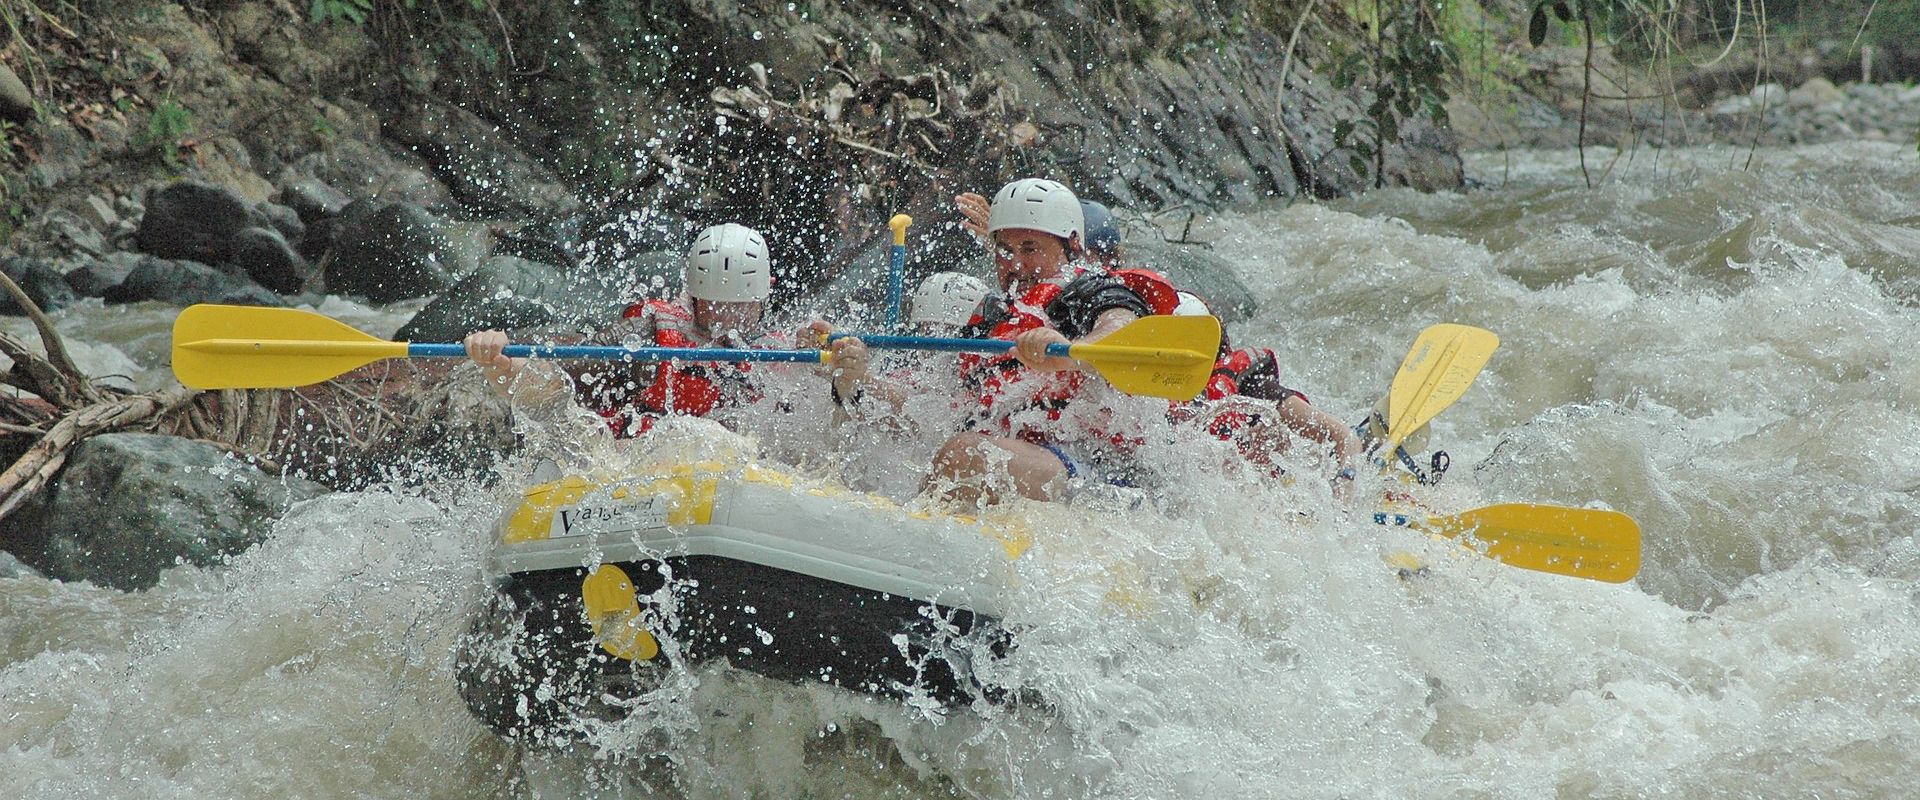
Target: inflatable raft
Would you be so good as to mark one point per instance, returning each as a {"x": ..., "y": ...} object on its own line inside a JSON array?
[
  {"x": 604, "y": 580},
  {"x": 608, "y": 582}
]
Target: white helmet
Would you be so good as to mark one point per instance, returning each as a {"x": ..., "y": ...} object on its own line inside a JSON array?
[
  {"x": 947, "y": 298},
  {"x": 729, "y": 263},
  {"x": 1191, "y": 306},
  {"x": 1038, "y": 204}
]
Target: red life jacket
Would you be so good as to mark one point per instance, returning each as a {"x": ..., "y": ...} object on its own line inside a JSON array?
[
  {"x": 994, "y": 377},
  {"x": 1000, "y": 378},
  {"x": 1160, "y": 294},
  {"x": 677, "y": 388},
  {"x": 1230, "y": 375}
]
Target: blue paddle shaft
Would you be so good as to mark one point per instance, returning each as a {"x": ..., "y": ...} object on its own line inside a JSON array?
[
  {"x": 944, "y": 345},
  {"x": 896, "y": 285},
  {"x": 633, "y": 354}
]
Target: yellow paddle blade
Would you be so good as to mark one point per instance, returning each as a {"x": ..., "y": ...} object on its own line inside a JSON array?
[
  {"x": 613, "y": 612},
  {"x": 1157, "y": 356},
  {"x": 1442, "y": 364},
  {"x": 251, "y": 347},
  {"x": 1581, "y": 542}
]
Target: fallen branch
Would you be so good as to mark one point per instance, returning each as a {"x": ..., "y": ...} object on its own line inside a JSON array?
[
  {"x": 54, "y": 377},
  {"x": 45, "y": 458}
]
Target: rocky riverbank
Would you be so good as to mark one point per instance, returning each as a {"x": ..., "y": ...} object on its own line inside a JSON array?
[
  {"x": 1555, "y": 101},
  {"x": 526, "y": 168},
  {"x": 519, "y": 168}
]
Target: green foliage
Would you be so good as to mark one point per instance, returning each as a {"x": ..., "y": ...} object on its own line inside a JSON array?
[
  {"x": 1406, "y": 63},
  {"x": 334, "y": 11},
  {"x": 166, "y": 126},
  {"x": 1814, "y": 23},
  {"x": 322, "y": 129}
]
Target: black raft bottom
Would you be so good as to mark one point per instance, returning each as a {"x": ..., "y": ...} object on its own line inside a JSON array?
[{"x": 530, "y": 663}]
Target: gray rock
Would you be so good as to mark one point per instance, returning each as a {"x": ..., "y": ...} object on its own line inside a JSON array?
[
  {"x": 129, "y": 505},
  {"x": 364, "y": 171},
  {"x": 284, "y": 219},
  {"x": 188, "y": 282},
  {"x": 98, "y": 211},
  {"x": 1816, "y": 93},
  {"x": 16, "y": 103},
  {"x": 1737, "y": 104},
  {"x": 196, "y": 221},
  {"x": 319, "y": 238},
  {"x": 483, "y": 167},
  {"x": 267, "y": 258},
  {"x": 389, "y": 251},
  {"x": 1771, "y": 94},
  {"x": 12, "y": 569},
  {"x": 61, "y": 232},
  {"x": 313, "y": 200},
  {"x": 506, "y": 292},
  {"x": 510, "y": 293},
  {"x": 94, "y": 277},
  {"x": 44, "y": 284}
]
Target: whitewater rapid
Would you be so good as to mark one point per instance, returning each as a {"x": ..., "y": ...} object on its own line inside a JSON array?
[{"x": 1726, "y": 354}]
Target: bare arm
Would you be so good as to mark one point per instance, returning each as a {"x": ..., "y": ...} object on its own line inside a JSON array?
[
  {"x": 1031, "y": 347},
  {"x": 1320, "y": 426}
]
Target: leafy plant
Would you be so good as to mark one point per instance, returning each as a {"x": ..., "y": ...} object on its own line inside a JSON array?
[
  {"x": 322, "y": 129},
  {"x": 1406, "y": 63},
  {"x": 332, "y": 11},
  {"x": 169, "y": 123}
]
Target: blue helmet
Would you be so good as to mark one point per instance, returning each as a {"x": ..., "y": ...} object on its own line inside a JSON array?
[{"x": 1102, "y": 234}]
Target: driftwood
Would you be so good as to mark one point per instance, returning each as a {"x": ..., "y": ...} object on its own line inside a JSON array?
[{"x": 47, "y": 455}]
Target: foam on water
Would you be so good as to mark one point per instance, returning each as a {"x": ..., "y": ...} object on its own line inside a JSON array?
[{"x": 1724, "y": 355}]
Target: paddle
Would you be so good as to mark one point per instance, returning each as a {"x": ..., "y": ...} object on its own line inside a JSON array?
[
  {"x": 897, "y": 269},
  {"x": 1157, "y": 356},
  {"x": 613, "y": 612},
  {"x": 249, "y": 347},
  {"x": 1580, "y": 542},
  {"x": 1442, "y": 364}
]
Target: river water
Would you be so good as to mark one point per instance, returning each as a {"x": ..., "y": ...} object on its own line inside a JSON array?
[{"x": 1724, "y": 350}]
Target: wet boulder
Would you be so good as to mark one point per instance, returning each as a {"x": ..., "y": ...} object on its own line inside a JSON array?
[
  {"x": 95, "y": 277},
  {"x": 129, "y": 505},
  {"x": 367, "y": 171},
  {"x": 195, "y": 221},
  {"x": 265, "y": 256},
  {"x": 44, "y": 284},
  {"x": 481, "y": 165},
  {"x": 313, "y": 200},
  {"x": 509, "y": 293},
  {"x": 390, "y": 251},
  {"x": 186, "y": 283},
  {"x": 285, "y": 220},
  {"x": 12, "y": 569}
]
